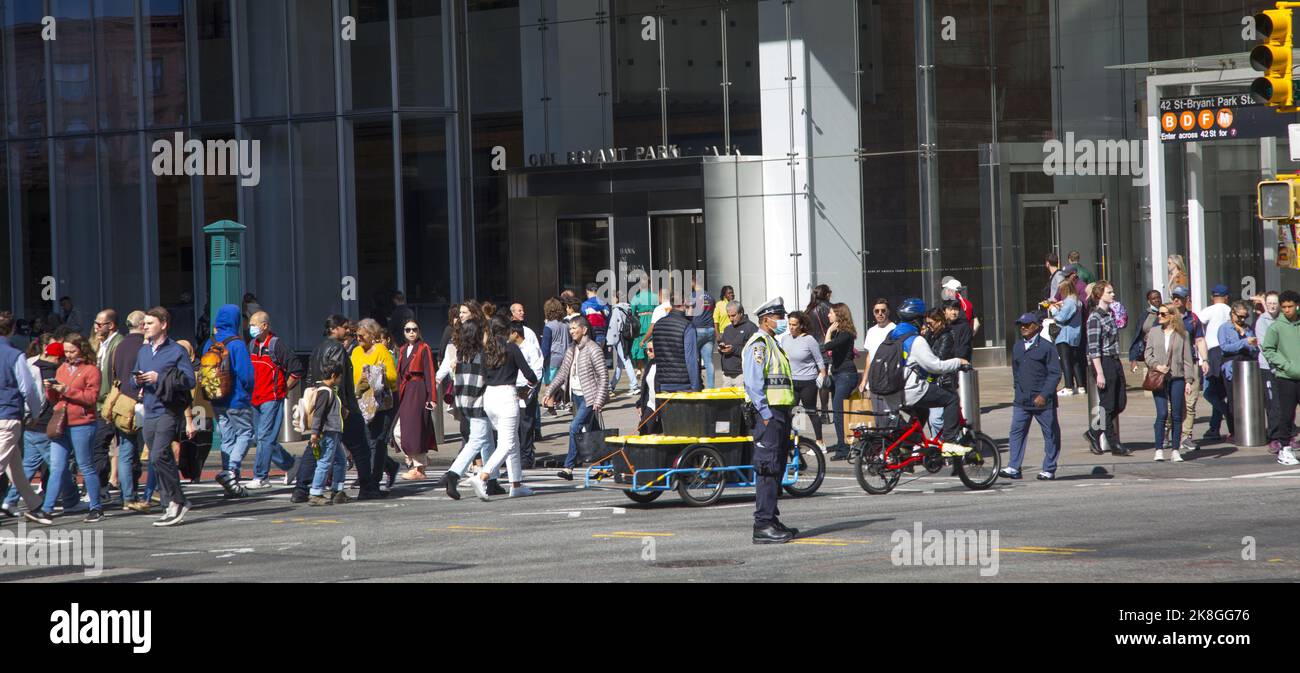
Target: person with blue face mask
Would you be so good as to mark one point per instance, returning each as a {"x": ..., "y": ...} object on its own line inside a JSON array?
[{"x": 769, "y": 388}]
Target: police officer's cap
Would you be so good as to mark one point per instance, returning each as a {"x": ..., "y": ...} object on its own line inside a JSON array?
[{"x": 774, "y": 306}]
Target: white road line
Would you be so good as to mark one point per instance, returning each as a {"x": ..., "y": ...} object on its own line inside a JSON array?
[{"x": 1266, "y": 474}]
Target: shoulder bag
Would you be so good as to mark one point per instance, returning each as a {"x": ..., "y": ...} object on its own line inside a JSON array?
[{"x": 1156, "y": 380}]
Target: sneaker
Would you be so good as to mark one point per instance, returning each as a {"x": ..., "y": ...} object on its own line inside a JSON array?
[
  {"x": 318, "y": 500},
  {"x": 1121, "y": 451},
  {"x": 1274, "y": 446},
  {"x": 566, "y": 475},
  {"x": 521, "y": 491},
  {"x": 1287, "y": 457},
  {"x": 1160, "y": 455},
  {"x": 8, "y": 511},
  {"x": 39, "y": 516},
  {"x": 256, "y": 483},
  {"x": 94, "y": 516},
  {"x": 951, "y": 449},
  {"x": 1009, "y": 473},
  {"x": 172, "y": 519},
  {"x": 1046, "y": 476},
  {"x": 290, "y": 477},
  {"x": 480, "y": 487},
  {"x": 1080, "y": 391},
  {"x": 1177, "y": 457},
  {"x": 1188, "y": 444},
  {"x": 341, "y": 498},
  {"x": 138, "y": 506},
  {"x": 1211, "y": 437},
  {"x": 1065, "y": 392}
]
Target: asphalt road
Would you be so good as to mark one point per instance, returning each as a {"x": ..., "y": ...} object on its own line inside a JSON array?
[{"x": 1224, "y": 515}]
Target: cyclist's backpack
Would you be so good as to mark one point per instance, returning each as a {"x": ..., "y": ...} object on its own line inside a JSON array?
[
  {"x": 302, "y": 411},
  {"x": 215, "y": 376},
  {"x": 888, "y": 366}
]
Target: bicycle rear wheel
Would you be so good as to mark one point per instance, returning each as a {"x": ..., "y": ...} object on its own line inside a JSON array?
[
  {"x": 812, "y": 468},
  {"x": 978, "y": 469},
  {"x": 873, "y": 476}
]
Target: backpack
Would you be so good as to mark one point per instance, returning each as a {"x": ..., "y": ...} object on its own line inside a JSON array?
[
  {"x": 888, "y": 366},
  {"x": 631, "y": 326},
  {"x": 302, "y": 411},
  {"x": 215, "y": 375}
]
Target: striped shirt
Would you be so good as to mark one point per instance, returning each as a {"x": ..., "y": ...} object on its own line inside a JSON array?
[{"x": 1103, "y": 335}]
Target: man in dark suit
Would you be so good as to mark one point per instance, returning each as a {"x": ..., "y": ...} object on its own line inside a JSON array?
[{"x": 1035, "y": 372}]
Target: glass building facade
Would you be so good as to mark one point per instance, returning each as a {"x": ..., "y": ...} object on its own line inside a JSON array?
[{"x": 507, "y": 149}]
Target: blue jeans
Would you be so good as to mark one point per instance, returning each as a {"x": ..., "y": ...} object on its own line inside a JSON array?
[
  {"x": 331, "y": 458},
  {"x": 479, "y": 443},
  {"x": 621, "y": 356},
  {"x": 704, "y": 341},
  {"x": 1171, "y": 403},
  {"x": 128, "y": 463},
  {"x": 75, "y": 441},
  {"x": 845, "y": 382},
  {"x": 36, "y": 450},
  {"x": 1216, "y": 393},
  {"x": 236, "y": 429},
  {"x": 268, "y": 417},
  {"x": 1020, "y": 417},
  {"x": 584, "y": 418}
]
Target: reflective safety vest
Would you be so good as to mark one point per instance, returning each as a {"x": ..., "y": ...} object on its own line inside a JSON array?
[{"x": 778, "y": 385}]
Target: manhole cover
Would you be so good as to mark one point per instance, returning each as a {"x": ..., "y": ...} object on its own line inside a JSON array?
[{"x": 698, "y": 563}]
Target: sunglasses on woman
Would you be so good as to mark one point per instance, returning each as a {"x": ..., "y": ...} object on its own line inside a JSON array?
[{"x": 412, "y": 330}]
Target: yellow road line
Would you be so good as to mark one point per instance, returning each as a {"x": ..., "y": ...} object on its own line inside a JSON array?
[
  {"x": 630, "y": 535},
  {"x": 466, "y": 529},
  {"x": 1057, "y": 551},
  {"x": 312, "y": 522}
]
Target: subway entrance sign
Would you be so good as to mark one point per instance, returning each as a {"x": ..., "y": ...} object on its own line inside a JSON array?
[{"x": 1219, "y": 117}]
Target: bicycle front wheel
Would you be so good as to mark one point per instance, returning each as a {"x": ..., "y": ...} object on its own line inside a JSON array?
[{"x": 978, "y": 469}]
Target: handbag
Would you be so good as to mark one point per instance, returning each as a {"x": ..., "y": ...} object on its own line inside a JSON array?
[
  {"x": 591, "y": 444},
  {"x": 1155, "y": 379},
  {"x": 58, "y": 422}
]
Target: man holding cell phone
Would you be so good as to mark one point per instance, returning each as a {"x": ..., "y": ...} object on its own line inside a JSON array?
[{"x": 159, "y": 357}]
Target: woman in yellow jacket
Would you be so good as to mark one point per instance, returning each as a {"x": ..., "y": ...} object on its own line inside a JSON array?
[{"x": 374, "y": 373}]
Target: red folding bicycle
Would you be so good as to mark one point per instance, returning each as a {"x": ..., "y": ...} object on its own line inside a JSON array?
[{"x": 882, "y": 455}]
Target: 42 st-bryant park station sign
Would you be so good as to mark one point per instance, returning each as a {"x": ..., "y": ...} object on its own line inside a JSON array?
[{"x": 1219, "y": 117}]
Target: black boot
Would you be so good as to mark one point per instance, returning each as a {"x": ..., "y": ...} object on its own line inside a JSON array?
[
  {"x": 494, "y": 488},
  {"x": 1094, "y": 444},
  {"x": 449, "y": 481},
  {"x": 794, "y": 532},
  {"x": 771, "y": 534}
]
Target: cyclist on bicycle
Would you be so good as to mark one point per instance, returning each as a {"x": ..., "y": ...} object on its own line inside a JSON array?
[{"x": 920, "y": 367}]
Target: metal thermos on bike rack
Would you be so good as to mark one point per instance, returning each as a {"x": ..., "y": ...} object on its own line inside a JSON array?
[
  {"x": 968, "y": 392},
  {"x": 1248, "y": 404}
]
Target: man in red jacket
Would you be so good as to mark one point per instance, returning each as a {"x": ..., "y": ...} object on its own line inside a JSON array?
[{"x": 275, "y": 371}]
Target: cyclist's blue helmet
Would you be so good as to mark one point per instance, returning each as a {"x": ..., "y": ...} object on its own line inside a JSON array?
[{"x": 911, "y": 309}]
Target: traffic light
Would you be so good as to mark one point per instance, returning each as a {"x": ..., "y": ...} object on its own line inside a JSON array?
[
  {"x": 1273, "y": 58},
  {"x": 1279, "y": 199}
]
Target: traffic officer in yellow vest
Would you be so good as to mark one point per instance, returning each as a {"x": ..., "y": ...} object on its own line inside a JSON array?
[{"x": 769, "y": 388}]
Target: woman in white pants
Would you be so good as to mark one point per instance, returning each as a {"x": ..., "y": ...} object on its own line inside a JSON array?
[
  {"x": 503, "y": 363},
  {"x": 469, "y": 388}
]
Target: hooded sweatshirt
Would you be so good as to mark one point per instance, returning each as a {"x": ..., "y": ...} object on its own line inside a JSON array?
[
  {"x": 920, "y": 357},
  {"x": 241, "y": 365},
  {"x": 1282, "y": 347}
]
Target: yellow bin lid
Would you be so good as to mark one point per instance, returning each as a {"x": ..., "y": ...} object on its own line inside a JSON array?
[
  {"x": 710, "y": 394},
  {"x": 669, "y": 440}
]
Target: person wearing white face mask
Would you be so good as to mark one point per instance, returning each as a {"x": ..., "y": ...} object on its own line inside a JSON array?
[{"x": 769, "y": 389}]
